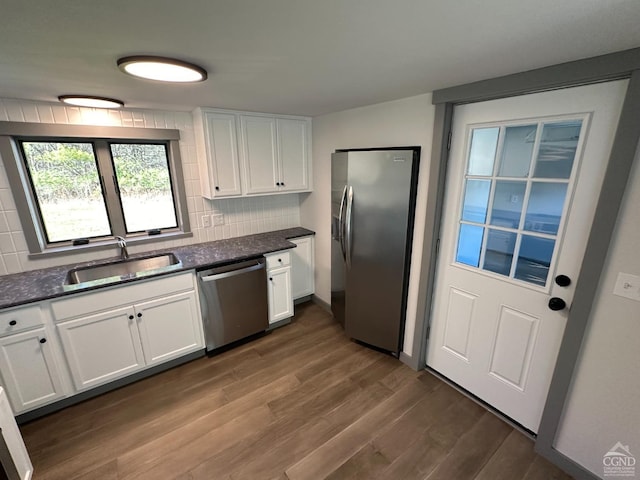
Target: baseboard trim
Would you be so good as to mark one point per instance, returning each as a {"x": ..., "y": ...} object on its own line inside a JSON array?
[
  {"x": 409, "y": 361},
  {"x": 321, "y": 303}
]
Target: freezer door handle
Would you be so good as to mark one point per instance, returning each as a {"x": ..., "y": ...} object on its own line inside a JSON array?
[
  {"x": 348, "y": 230},
  {"x": 341, "y": 218}
]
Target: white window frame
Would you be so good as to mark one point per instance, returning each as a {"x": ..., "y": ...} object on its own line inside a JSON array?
[{"x": 11, "y": 133}]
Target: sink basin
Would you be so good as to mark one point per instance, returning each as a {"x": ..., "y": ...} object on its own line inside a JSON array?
[{"x": 118, "y": 269}]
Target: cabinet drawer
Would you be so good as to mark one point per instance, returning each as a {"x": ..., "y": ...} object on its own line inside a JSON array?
[
  {"x": 20, "y": 319},
  {"x": 278, "y": 259}
]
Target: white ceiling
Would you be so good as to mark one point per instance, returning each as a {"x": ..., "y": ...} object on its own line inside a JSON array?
[{"x": 305, "y": 57}]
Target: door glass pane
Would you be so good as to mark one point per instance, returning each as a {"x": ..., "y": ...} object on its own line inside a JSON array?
[
  {"x": 476, "y": 200},
  {"x": 507, "y": 203},
  {"x": 544, "y": 212},
  {"x": 67, "y": 187},
  {"x": 517, "y": 151},
  {"x": 142, "y": 172},
  {"x": 534, "y": 259},
  {"x": 469, "y": 245},
  {"x": 557, "y": 149},
  {"x": 483, "y": 150},
  {"x": 499, "y": 251}
]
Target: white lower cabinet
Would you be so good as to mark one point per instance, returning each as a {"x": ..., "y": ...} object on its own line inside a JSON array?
[
  {"x": 29, "y": 369},
  {"x": 102, "y": 347},
  {"x": 169, "y": 327},
  {"x": 137, "y": 326},
  {"x": 302, "y": 267},
  {"x": 279, "y": 286}
]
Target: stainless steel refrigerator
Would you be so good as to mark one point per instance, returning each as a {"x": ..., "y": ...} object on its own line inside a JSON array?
[{"x": 373, "y": 193}]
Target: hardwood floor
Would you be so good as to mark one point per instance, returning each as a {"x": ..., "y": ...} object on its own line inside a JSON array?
[{"x": 301, "y": 403}]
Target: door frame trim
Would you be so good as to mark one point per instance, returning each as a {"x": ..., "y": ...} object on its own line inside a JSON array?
[{"x": 619, "y": 65}]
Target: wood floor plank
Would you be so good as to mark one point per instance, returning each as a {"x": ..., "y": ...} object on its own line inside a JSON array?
[
  {"x": 324, "y": 460},
  {"x": 132, "y": 461},
  {"x": 364, "y": 465},
  {"x": 473, "y": 450},
  {"x": 301, "y": 402},
  {"x": 511, "y": 460},
  {"x": 541, "y": 469}
]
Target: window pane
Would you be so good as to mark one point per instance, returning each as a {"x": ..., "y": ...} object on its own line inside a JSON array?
[
  {"x": 499, "y": 251},
  {"x": 546, "y": 202},
  {"x": 517, "y": 151},
  {"x": 67, "y": 187},
  {"x": 507, "y": 204},
  {"x": 557, "y": 149},
  {"x": 483, "y": 150},
  {"x": 469, "y": 245},
  {"x": 476, "y": 200},
  {"x": 534, "y": 259},
  {"x": 142, "y": 171}
]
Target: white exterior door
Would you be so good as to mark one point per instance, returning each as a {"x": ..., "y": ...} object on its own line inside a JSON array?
[{"x": 523, "y": 180}]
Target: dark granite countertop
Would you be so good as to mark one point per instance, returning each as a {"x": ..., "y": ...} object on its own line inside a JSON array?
[{"x": 47, "y": 283}]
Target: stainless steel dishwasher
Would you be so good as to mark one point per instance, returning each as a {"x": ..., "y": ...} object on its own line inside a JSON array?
[{"x": 233, "y": 299}]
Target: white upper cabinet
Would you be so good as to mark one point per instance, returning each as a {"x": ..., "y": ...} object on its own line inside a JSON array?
[
  {"x": 293, "y": 153},
  {"x": 217, "y": 153},
  {"x": 259, "y": 153},
  {"x": 243, "y": 153}
]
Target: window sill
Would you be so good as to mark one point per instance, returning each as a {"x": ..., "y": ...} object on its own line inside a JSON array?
[{"x": 107, "y": 245}]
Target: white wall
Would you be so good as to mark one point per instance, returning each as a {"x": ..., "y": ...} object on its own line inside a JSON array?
[
  {"x": 242, "y": 216},
  {"x": 604, "y": 402},
  {"x": 406, "y": 122}
]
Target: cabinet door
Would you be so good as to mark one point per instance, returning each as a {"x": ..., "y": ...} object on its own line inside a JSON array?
[
  {"x": 102, "y": 347},
  {"x": 293, "y": 152},
  {"x": 29, "y": 370},
  {"x": 169, "y": 327},
  {"x": 302, "y": 261},
  {"x": 280, "y": 300},
  {"x": 259, "y": 154},
  {"x": 222, "y": 152}
]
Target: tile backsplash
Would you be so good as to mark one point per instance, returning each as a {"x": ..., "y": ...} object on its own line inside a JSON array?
[{"x": 241, "y": 216}]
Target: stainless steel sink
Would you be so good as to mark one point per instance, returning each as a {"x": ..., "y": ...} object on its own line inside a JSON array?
[{"x": 118, "y": 269}]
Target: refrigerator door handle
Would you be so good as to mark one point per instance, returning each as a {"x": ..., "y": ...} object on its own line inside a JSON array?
[
  {"x": 348, "y": 229},
  {"x": 341, "y": 219}
]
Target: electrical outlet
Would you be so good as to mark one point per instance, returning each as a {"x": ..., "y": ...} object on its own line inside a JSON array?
[
  {"x": 206, "y": 221},
  {"x": 218, "y": 219},
  {"x": 628, "y": 286}
]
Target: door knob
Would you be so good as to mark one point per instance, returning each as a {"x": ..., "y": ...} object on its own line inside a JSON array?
[
  {"x": 563, "y": 281},
  {"x": 556, "y": 303}
]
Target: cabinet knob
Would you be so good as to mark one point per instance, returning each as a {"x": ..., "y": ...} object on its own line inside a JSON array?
[
  {"x": 278, "y": 184},
  {"x": 217, "y": 188},
  {"x": 13, "y": 322},
  {"x": 282, "y": 184},
  {"x": 130, "y": 317},
  {"x": 271, "y": 279},
  {"x": 43, "y": 340},
  {"x": 139, "y": 315}
]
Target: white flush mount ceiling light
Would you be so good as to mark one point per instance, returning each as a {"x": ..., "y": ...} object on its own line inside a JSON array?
[
  {"x": 90, "y": 101},
  {"x": 162, "y": 69}
]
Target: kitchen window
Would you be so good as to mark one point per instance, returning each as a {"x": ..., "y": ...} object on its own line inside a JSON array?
[{"x": 77, "y": 187}]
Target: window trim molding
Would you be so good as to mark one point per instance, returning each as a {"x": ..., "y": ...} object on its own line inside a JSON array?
[{"x": 26, "y": 205}]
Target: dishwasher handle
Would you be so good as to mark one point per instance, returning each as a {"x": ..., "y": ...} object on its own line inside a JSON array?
[{"x": 232, "y": 273}]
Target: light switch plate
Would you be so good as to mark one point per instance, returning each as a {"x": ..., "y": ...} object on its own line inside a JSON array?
[
  {"x": 218, "y": 219},
  {"x": 627, "y": 286},
  {"x": 206, "y": 221}
]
